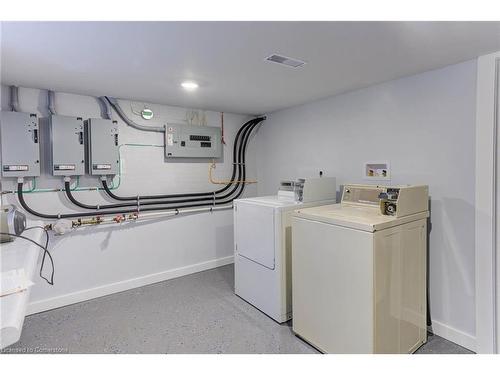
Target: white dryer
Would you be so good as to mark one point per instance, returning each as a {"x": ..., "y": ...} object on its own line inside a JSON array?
[
  {"x": 359, "y": 271},
  {"x": 262, "y": 236}
]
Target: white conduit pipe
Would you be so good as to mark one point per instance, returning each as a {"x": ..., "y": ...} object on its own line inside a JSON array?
[
  {"x": 129, "y": 122},
  {"x": 51, "y": 98},
  {"x": 184, "y": 211},
  {"x": 106, "y": 108},
  {"x": 153, "y": 215},
  {"x": 14, "y": 99}
]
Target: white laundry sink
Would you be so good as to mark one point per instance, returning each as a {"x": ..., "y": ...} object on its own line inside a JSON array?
[{"x": 18, "y": 255}]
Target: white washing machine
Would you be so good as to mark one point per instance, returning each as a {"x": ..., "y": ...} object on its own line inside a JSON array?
[
  {"x": 359, "y": 271},
  {"x": 262, "y": 235}
]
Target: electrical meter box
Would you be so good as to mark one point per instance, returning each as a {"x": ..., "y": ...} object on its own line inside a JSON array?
[
  {"x": 102, "y": 147},
  {"x": 67, "y": 157},
  {"x": 20, "y": 146},
  {"x": 191, "y": 141}
]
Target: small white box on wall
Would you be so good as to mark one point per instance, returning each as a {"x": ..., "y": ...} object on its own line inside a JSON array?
[{"x": 377, "y": 171}]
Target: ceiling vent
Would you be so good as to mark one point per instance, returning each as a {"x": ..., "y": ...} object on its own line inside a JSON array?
[{"x": 283, "y": 60}]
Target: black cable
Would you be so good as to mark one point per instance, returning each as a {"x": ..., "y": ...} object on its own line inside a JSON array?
[
  {"x": 241, "y": 177},
  {"x": 42, "y": 265},
  {"x": 75, "y": 215},
  {"x": 46, "y": 251},
  {"x": 28, "y": 209},
  {"x": 73, "y": 200},
  {"x": 240, "y": 186},
  {"x": 237, "y": 165},
  {"x": 247, "y": 128},
  {"x": 240, "y": 160},
  {"x": 241, "y": 173},
  {"x": 167, "y": 196}
]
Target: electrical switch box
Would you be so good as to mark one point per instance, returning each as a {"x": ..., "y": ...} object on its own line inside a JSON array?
[
  {"x": 102, "y": 147},
  {"x": 20, "y": 146},
  {"x": 191, "y": 141},
  {"x": 67, "y": 157}
]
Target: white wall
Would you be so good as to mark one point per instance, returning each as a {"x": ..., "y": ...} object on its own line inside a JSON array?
[
  {"x": 425, "y": 126},
  {"x": 100, "y": 260},
  {"x": 487, "y": 205}
]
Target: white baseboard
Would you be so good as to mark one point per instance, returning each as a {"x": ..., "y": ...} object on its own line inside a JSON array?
[
  {"x": 454, "y": 335},
  {"x": 84, "y": 295}
]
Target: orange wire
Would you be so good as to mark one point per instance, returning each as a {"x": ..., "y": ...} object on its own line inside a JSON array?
[{"x": 225, "y": 182}]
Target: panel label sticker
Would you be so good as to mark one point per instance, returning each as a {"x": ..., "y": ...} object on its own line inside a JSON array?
[
  {"x": 15, "y": 168},
  {"x": 100, "y": 167},
  {"x": 64, "y": 167}
]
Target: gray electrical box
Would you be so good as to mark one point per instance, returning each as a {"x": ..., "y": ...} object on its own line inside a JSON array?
[
  {"x": 67, "y": 157},
  {"x": 20, "y": 146},
  {"x": 102, "y": 147},
  {"x": 191, "y": 141}
]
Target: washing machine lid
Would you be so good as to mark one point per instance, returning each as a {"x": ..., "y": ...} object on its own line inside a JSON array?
[{"x": 357, "y": 217}]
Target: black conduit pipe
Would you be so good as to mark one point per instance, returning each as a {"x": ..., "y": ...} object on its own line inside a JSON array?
[
  {"x": 211, "y": 193},
  {"x": 237, "y": 157},
  {"x": 243, "y": 176},
  {"x": 213, "y": 198},
  {"x": 76, "y": 215},
  {"x": 73, "y": 200},
  {"x": 241, "y": 173}
]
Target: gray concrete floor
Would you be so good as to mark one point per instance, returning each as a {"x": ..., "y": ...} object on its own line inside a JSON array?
[{"x": 198, "y": 313}]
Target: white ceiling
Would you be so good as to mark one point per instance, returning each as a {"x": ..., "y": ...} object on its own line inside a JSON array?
[{"x": 147, "y": 61}]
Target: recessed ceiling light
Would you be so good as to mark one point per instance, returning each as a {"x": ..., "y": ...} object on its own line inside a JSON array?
[{"x": 189, "y": 85}]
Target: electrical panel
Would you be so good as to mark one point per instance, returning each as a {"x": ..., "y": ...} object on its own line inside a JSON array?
[
  {"x": 191, "y": 141},
  {"x": 20, "y": 146},
  {"x": 67, "y": 145},
  {"x": 102, "y": 147}
]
